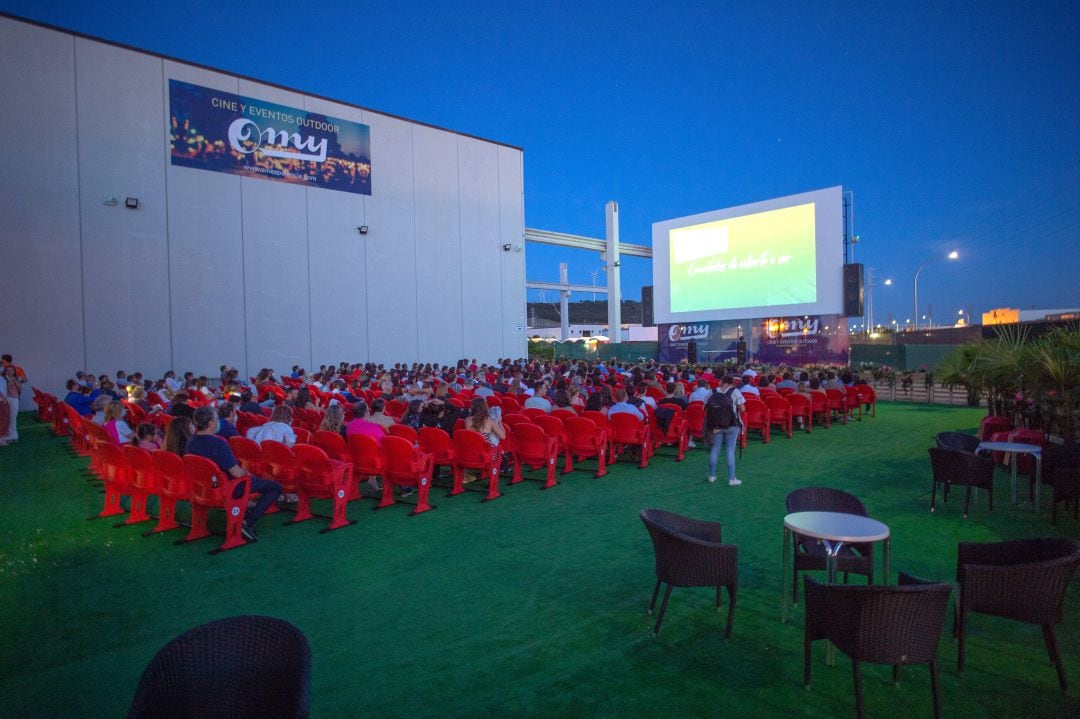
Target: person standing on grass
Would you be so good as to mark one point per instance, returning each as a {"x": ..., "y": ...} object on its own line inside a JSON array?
[
  {"x": 723, "y": 424},
  {"x": 207, "y": 444}
]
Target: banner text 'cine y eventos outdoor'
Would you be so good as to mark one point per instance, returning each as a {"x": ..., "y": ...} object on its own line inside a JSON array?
[{"x": 219, "y": 131}]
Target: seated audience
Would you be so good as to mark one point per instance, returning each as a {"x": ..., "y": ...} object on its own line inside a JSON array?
[{"x": 279, "y": 428}]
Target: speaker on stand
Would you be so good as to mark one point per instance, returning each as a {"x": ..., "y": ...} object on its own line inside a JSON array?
[{"x": 853, "y": 290}]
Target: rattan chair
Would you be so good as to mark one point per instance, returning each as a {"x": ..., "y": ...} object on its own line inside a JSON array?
[
  {"x": 240, "y": 667},
  {"x": 689, "y": 553},
  {"x": 957, "y": 440},
  {"x": 1023, "y": 579},
  {"x": 810, "y": 553},
  {"x": 953, "y": 466},
  {"x": 882, "y": 625}
]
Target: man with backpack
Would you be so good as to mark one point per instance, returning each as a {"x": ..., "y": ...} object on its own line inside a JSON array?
[{"x": 723, "y": 423}]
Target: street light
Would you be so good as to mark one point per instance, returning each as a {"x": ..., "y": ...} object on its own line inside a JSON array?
[
  {"x": 870, "y": 295},
  {"x": 952, "y": 256}
]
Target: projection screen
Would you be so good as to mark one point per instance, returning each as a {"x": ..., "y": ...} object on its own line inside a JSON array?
[{"x": 781, "y": 256}]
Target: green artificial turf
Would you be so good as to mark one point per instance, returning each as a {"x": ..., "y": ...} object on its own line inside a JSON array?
[{"x": 532, "y": 605}]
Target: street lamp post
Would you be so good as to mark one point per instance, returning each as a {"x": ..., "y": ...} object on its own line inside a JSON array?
[
  {"x": 870, "y": 296},
  {"x": 952, "y": 256}
]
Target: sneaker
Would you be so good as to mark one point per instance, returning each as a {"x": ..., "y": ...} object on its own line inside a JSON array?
[
  {"x": 712, "y": 478},
  {"x": 691, "y": 444},
  {"x": 408, "y": 492},
  {"x": 248, "y": 530},
  {"x": 734, "y": 482},
  {"x": 292, "y": 498}
]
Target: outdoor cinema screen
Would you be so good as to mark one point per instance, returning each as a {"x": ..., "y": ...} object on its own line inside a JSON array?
[{"x": 781, "y": 256}]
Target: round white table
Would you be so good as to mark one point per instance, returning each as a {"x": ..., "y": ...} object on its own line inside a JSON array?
[
  {"x": 834, "y": 529},
  {"x": 1015, "y": 448}
]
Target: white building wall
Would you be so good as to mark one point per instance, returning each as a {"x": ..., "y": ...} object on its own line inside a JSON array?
[{"x": 217, "y": 269}]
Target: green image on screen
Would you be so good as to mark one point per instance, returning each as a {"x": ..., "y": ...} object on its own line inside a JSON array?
[{"x": 761, "y": 260}]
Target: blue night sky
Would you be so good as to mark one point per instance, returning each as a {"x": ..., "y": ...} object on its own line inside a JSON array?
[{"x": 954, "y": 124}]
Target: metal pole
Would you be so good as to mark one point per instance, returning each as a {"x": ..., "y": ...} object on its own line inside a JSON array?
[
  {"x": 614, "y": 307},
  {"x": 915, "y": 317},
  {"x": 564, "y": 299}
]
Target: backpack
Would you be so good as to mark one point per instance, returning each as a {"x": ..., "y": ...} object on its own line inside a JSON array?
[{"x": 720, "y": 410}]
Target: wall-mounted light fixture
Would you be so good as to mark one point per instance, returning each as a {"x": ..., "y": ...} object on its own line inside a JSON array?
[
  {"x": 132, "y": 203},
  {"x": 507, "y": 247},
  {"x": 362, "y": 229},
  {"x": 110, "y": 201}
]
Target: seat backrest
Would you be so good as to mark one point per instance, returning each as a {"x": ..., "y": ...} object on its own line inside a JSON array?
[
  {"x": 777, "y": 403},
  {"x": 879, "y": 623},
  {"x": 598, "y": 418},
  {"x": 404, "y": 431},
  {"x": 312, "y": 460},
  {"x": 471, "y": 448},
  {"x": 303, "y": 436},
  {"x": 333, "y": 444},
  {"x": 799, "y": 403},
  {"x": 145, "y": 473},
  {"x": 695, "y": 416},
  {"x": 239, "y": 666},
  {"x": 434, "y": 441},
  {"x": 530, "y": 440},
  {"x": 957, "y": 440},
  {"x": 626, "y": 428},
  {"x": 202, "y": 474},
  {"x": 956, "y": 466},
  {"x": 824, "y": 499},
  {"x": 279, "y": 456},
  {"x": 552, "y": 424},
  {"x": 364, "y": 451},
  {"x": 173, "y": 475},
  {"x": 398, "y": 454}
]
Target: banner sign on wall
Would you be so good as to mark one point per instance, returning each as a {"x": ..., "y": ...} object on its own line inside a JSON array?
[
  {"x": 219, "y": 131},
  {"x": 792, "y": 341},
  {"x": 809, "y": 339}
]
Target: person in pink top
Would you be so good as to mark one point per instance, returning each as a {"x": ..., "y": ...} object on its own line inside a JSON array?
[
  {"x": 362, "y": 425},
  {"x": 118, "y": 429}
]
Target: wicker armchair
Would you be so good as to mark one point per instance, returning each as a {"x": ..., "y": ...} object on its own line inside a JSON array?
[
  {"x": 689, "y": 554},
  {"x": 1023, "y": 580},
  {"x": 953, "y": 466},
  {"x": 1061, "y": 470},
  {"x": 240, "y": 667},
  {"x": 958, "y": 441},
  {"x": 810, "y": 553},
  {"x": 882, "y": 625}
]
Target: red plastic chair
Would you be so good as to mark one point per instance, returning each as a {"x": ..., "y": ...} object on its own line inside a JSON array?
[
  {"x": 780, "y": 413},
  {"x": 516, "y": 418},
  {"x": 555, "y": 426},
  {"x": 800, "y": 407},
  {"x": 695, "y": 420},
  {"x": 510, "y": 404},
  {"x": 564, "y": 413},
  {"x": 588, "y": 441},
  {"x": 117, "y": 474},
  {"x": 404, "y": 431},
  {"x": 366, "y": 457},
  {"x": 281, "y": 465},
  {"x": 535, "y": 448},
  {"x": 95, "y": 438},
  {"x": 756, "y": 417},
  {"x": 992, "y": 425},
  {"x": 819, "y": 405},
  {"x": 786, "y": 391},
  {"x": 303, "y": 436},
  {"x": 333, "y": 444},
  {"x": 174, "y": 488},
  {"x": 854, "y": 401},
  {"x": 629, "y": 431},
  {"x": 868, "y": 397},
  {"x": 472, "y": 452},
  {"x": 533, "y": 412},
  {"x": 136, "y": 414},
  {"x": 677, "y": 435},
  {"x": 1025, "y": 463},
  {"x": 250, "y": 456},
  {"x": 437, "y": 443},
  {"x": 493, "y": 400},
  {"x": 231, "y": 494},
  {"x": 145, "y": 482},
  {"x": 406, "y": 466},
  {"x": 395, "y": 408},
  {"x": 837, "y": 403},
  {"x": 322, "y": 478}
]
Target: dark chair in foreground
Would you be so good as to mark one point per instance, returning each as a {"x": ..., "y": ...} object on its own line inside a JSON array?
[
  {"x": 1061, "y": 470},
  {"x": 689, "y": 553},
  {"x": 1023, "y": 579},
  {"x": 240, "y": 667},
  {"x": 958, "y": 441},
  {"x": 881, "y": 625},
  {"x": 810, "y": 553},
  {"x": 953, "y": 466}
]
